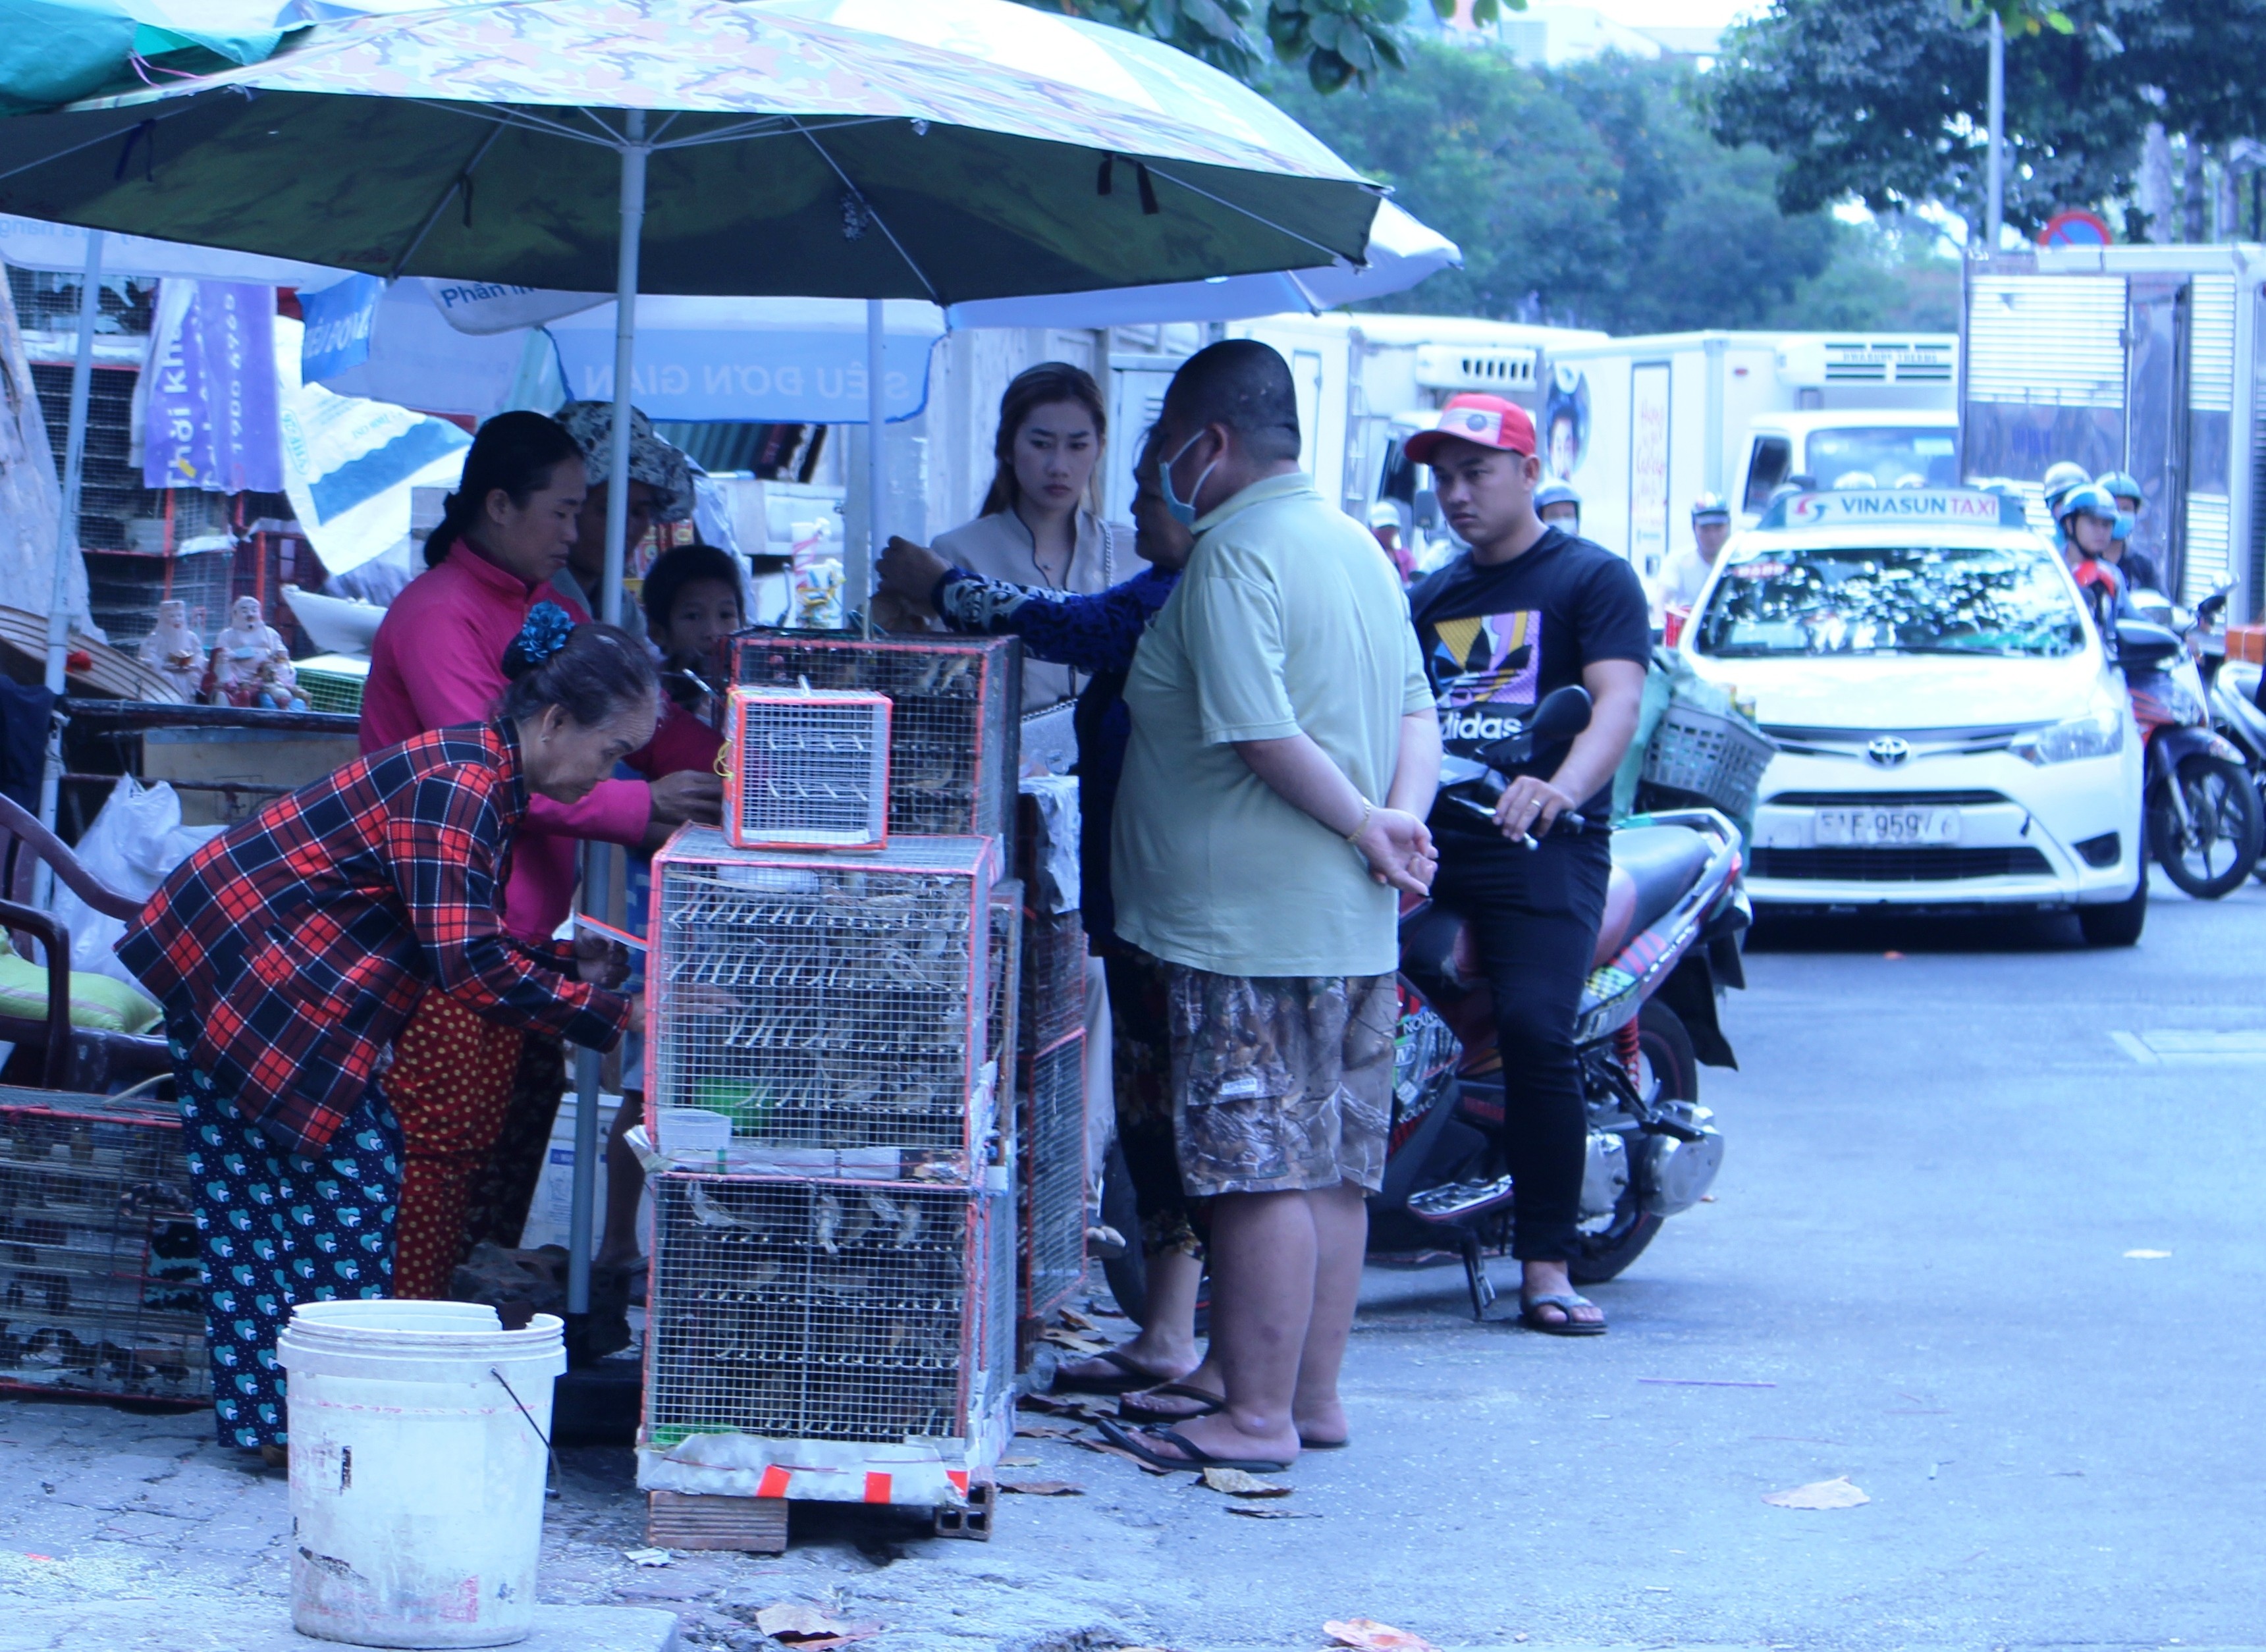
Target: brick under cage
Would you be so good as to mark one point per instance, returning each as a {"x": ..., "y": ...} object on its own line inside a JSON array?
[{"x": 98, "y": 1264}]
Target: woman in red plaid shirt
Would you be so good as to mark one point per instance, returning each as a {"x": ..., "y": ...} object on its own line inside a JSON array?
[{"x": 290, "y": 951}]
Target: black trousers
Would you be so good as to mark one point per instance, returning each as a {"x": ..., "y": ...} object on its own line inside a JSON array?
[{"x": 1534, "y": 913}]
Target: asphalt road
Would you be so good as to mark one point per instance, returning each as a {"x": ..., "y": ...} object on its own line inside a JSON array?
[{"x": 1970, "y": 1250}]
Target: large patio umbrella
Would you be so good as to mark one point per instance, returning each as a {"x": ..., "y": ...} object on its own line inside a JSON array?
[{"x": 945, "y": 149}]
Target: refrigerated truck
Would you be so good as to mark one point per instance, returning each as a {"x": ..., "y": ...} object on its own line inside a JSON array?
[
  {"x": 1641, "y": 427},
  {"x": 2144, "y": 359}
]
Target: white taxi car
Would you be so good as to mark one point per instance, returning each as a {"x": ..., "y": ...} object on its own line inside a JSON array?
[{"x": 1951, "y": 732}]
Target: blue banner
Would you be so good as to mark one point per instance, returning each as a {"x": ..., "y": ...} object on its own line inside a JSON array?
[
  {"x": 339, "y": 320},
  {"x": 211, "y": 420},
  {"x": 755, "y": 374}
]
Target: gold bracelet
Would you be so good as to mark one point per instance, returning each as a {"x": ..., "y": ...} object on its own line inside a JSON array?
[{"x": 1368, "y": 808}]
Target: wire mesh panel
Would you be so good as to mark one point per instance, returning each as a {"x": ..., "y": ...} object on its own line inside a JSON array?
[
  {"x": 98, "y": 1265},
  {"x": 1051, "y": 1174},
  {"x": 1006, "y": 972},
  {"x": 955, "y": 710},
  {"x": 1054, "y": 978},
  {"x": 826, "y": 1310},
  {"x": 824, "y": 1001},
  {"x": 809, "y": 770}
]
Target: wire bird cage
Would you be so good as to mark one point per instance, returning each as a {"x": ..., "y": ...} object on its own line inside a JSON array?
[
  {"x": 827, "y": 1002},
  {"x": 956, "y": 706},
  {"x": 1053, "y": 979},
  {"x": 1005, "y": 982},
  {"x": 98, "y": 1263},
  {"x": 839, "y": 1311},
  {"x": 1052, "y": 1179},
  {"x": 808, "y": 768}
]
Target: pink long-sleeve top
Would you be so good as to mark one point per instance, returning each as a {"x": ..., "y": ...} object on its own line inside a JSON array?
[{"x": 438, "y": 659}]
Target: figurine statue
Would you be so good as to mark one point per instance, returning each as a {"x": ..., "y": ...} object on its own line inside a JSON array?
[
  {"x": 173, "y": 652},
  {"x": 251, "y": 667}
]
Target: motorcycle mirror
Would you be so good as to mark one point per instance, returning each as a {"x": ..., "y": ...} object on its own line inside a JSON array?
[
  {"x": 2140, "y": 644},
  {"x": 1425, "y": 509},
  {"x": 2209, "y": 609},
  {"x": 1563, "y": 713}
]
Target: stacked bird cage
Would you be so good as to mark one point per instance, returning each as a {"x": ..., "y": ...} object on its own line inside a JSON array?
[
  {"x": 808, "y": 768},
  {"x": 955, "y": 705},
  {"x": 98, "y": 1264},
  {"x": 837, "y": 1301},
  {"x": 1050, "y": 1098}
]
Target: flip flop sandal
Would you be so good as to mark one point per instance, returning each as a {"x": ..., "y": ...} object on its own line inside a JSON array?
[
  {"x": 1197, "y": 1458},
  {"x": 1565, "y": 1303},
  {"x": 1131, "y": 1410},
  {"x": 1306, "y": 1444},
  {"x": 1131, "y": 1378}
]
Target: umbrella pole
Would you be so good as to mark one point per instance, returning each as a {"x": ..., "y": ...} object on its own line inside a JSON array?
[
  {"x": 90, "y": 306},
  {"x": 597, "y": 859},
  {"x": 875, "y": 427}
]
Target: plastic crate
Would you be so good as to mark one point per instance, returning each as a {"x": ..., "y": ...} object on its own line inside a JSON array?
[
  {"x": 1718, "y": 757},
  {"x": 99, "y": 1256},
  {"x": 326, "y": 690},
  {"x": 808, "y": 768}
]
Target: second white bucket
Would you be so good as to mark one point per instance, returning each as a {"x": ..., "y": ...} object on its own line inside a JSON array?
[{"x": 416, "y": 1471}]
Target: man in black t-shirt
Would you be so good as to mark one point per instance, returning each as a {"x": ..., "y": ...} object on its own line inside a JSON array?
[{"x": 1530, "y": 608}]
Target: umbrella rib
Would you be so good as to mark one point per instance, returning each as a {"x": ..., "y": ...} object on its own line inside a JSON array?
[
  {"x": 65, "y": 154},
  {"x": 433, "y": 217},
  {"x": 1330, "y": 253},
  {"x": 778, "y": 125},
  {"x": 505, "y": 115},
  {"x": 919, "y": 274}
]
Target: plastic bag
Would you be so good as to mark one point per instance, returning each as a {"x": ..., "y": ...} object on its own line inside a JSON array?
[{"x": 137, "y": 840}]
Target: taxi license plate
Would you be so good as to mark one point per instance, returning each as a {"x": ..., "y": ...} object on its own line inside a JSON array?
[{"x": 1887, "y": 826}]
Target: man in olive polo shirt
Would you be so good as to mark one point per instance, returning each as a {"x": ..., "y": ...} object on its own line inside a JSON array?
[{"x": 1284, "y": 752}]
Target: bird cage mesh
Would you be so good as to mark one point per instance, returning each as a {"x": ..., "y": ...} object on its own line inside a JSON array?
[
  {"x": 1054, "y": 978},
  {"x": 827, "y": 1002},
  {"x": 846, "y": 1310},
  {"x": 956, "y": 705},
  {"x": 1052, "y": 1174},
  {"x": 1006, "y": 972},
  {"x": 98, "y": 1259},
  {"x": 808, "y": 768}
]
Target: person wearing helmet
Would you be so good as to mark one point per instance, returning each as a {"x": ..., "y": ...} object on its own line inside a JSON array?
[
  {"x": 2059, "y": 478},
  {"x": 1688, "y": 569},
  {"x": 1556, "y": 502},
  {"x": 2087, "y": 517},
  {"x": 2137, "y": 566}
]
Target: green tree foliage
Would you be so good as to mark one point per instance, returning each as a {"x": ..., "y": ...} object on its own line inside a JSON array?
[
  {"x": 1885, "y": 99},
  {"x": 1337, "y": 42},
  {"x": 1594, "y": 197}
]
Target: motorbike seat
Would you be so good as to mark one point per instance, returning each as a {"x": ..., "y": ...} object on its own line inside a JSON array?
[
  {"x": 1614, "y": 928},
  {"x": 1662, "y": 862}
]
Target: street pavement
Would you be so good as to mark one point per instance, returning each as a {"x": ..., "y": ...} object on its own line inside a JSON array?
[{"x": 1946, "y": 1144}]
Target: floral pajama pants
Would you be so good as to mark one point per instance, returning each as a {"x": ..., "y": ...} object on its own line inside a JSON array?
[{"x": 276, "y": 1228}]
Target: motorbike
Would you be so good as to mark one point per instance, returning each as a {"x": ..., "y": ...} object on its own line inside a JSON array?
[
  {"x": 1675, "y": 918},
  {"x": 2204, "y": 816},
  {"x": 2236, "y": 717}
]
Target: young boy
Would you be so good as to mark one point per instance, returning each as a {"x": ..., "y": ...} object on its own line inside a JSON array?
[{"x": 692, "y": 601}]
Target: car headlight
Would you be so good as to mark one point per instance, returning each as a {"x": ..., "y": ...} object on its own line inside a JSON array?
[{"x": 2100, "y": 735}]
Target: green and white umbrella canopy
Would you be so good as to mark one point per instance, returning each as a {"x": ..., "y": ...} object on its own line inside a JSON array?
[{"x": 945, "y": 149}]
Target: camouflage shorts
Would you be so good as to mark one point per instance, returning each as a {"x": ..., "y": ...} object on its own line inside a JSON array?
[{"x": 1281, "y": 1083}]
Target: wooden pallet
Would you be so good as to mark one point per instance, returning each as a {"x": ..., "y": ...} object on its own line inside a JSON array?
[{"x": 684, "y": 1520}]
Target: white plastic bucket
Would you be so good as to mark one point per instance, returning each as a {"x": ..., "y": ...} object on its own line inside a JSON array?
[
  {"x": 416, "y": 1480},
  {"x": 684, "y": 1132}
]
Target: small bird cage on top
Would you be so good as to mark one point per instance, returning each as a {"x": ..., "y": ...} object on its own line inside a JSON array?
[{"x": 808, "y": 769}]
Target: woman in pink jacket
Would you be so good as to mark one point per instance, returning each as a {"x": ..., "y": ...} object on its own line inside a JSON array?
[{"x": 460, "y": 1083}]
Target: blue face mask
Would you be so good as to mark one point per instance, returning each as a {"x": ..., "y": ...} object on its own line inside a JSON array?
[{"x": 1183, "y": 511}]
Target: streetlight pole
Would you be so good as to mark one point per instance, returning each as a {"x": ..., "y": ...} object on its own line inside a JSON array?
[{"x": 1994, "y": 214}]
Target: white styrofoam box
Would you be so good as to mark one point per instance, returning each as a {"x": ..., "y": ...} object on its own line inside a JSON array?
[{"x": 550, "y": 1217}]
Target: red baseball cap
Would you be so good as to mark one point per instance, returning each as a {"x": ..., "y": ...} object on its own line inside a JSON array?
[{"x": 1488, "y": 421}]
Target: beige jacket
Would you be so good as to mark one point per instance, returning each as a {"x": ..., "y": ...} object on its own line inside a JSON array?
[{"x": 999, "y": 547}]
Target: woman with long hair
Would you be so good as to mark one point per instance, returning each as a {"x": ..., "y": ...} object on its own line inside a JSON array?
[
  {"x": 1042, "y": 524},
  {"x": 293, "y": 948},
  {"x": 476, "y": 1097}
]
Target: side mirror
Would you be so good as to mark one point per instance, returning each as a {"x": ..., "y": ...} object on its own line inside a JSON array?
[
  {"x": 1428, "y": 511},
  {"x": 2143, "y": 646},
  {"x": 1563, "y": 713}
]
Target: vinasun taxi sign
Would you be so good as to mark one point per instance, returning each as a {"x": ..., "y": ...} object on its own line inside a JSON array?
[{"x": 1888, "y": 507}]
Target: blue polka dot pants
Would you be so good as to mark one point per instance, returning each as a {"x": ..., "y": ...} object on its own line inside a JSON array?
[{"x": 276, "y": 1228}]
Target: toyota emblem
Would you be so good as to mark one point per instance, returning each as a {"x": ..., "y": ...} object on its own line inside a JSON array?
[{"x": 1888, "y": 750}]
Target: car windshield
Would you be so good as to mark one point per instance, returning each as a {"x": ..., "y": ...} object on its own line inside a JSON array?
[
  {"x": 1907, "y": 599},
  {"x": 1882, "y": 457}
]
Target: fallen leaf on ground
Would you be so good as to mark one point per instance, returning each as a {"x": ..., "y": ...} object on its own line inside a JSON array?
[
  {"x": 1235, "y": 1483},
  {"x": 1044, "y": 1487},
  {"x": 1372, "y": 1636},
  {"x": 2146, "y": 1256},
  {"x": 1044, "y": 1431},
  {"x": 1071, "y": 1341},
  {"x": 1837, "y": 1492},
  {"x": 1077, "y": 1321},
  {"x": 811, "y": 1628},
  {"x": 1272, "y": 1514},
  {"x": 1019, "y": 1462},
  {"x": 647, "y": 1557}
]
